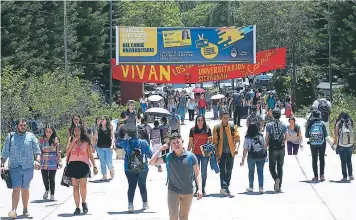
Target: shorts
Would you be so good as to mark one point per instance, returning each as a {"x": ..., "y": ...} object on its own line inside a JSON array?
[
  {"x": 78, "y": 170},
  {"x": 21, "y": 177}
]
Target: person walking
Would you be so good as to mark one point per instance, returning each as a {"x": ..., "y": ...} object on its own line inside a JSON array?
[
  {"x": 276, "y": 135},
  {"x": 182, "y": 168},
  {"x": 345, "y": 142},
  {"x": 237, "y": 101},
  {"x": 199, "y": 135},
  {"x": 226, "y": 137},
  {"x": 105, "y": 144},
  {"x": 317, "y": 133},
  {"x": 256, "y": 153},
  {"x": 157, "y": 139},
  {"x": 75, "y": 121},
  {"x": 136, "y": 159},
  {"x": 202, "y": 105},
  {"x": 191, "y": 108},
  {"x": 20, "y": 147},
  {"x": 255, "y": 118},
  {"x": 174, "y": 121},
  {"x": 182, "y": 106},
  {"x": 271, "y": 101},
  {"x": 215, "y": 108},
  {"x": 294, "y": 137},
  {"x": 78, "y": 169},
  {"x": 131, "y": 116},
  {"x": 50, "y": 160}
]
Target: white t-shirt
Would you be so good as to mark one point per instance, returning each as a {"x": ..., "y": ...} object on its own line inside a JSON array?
[{"x": 316, "y": 103}]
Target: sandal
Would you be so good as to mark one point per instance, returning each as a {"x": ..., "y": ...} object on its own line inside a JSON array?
[{"x": 112, "y": 173}]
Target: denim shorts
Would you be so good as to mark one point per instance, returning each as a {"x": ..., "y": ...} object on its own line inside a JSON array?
[{"x": 21, "y": 177}]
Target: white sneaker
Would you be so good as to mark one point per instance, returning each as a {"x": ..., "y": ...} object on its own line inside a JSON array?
[
  {"x": 261, "y": 191},
  {"x": 12, "y": 214},
  {"x": 145, "y": 206},
  {"x": 52, "y": 197},
  {"x": 45, "y": 195},
  {"x": 223, "y": 192},
  {"x": 131, "y": 208},
  {"x": 249, "y": 189}
]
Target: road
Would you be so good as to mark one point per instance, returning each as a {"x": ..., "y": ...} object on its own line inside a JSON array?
[{"x": 300, "y": 200}]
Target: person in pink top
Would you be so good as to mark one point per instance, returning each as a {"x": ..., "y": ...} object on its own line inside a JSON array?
[{"x": 78, "y": 154}]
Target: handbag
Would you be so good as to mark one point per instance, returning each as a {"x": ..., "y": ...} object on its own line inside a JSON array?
[
  {"x": 6, "y": 174},
  {"x": 66, "y": 180}
]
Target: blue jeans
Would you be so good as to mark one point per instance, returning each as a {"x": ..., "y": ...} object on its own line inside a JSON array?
[
  {"x": 202, "y": 111},
  {"x": 182, "y": 111},
  {"x": 105, "y": 156},
  {"x": 215, "y": 111},
  {"x": 259, "y": 163},
  {"x": 134, "y": 178},
  {"x": 345, "y": 154},
  {"x": 203, "y": 165}
]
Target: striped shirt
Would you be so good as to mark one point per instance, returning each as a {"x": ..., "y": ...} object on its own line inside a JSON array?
[{"x": 49, "y": 155}]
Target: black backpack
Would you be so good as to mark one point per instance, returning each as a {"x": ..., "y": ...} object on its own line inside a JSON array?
[
  {"x": 142, "y": 132},
  {"x": 324, "y": 109},
  {"x": 276, "y": 136},
  {"x": 256, "y": 153},
  {"x": 136, "y": 161}
]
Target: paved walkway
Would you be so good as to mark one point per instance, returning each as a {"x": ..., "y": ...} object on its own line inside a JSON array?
[{"x": 301, "y": 200}]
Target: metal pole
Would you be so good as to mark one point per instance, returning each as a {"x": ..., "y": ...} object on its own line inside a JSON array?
[
  {"x": 65, "y": 44},
  {"x": 330, "y": 72},
  {"x": 110, "y": 78}
]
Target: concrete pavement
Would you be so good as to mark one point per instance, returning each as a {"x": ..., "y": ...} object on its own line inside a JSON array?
[{"x": 300, "y": 200}]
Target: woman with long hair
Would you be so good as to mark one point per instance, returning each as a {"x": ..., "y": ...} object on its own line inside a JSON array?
[
  {"x": 254, "y": 148},
  {"x": 50, "y": 160},
  {"x": 345, "y": 143},
  {"x": 199, "y": 135},
  {"x": 78, "y": 155},
  {"x": 75, "y": 121},
  {"x": 105, "y": 145},
  {"x": 294, "y": 137}
]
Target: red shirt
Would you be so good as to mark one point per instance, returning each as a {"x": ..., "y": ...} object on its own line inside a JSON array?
[
  {"x": 198, "y": 141},
  {"x": 202, "y": 103}
]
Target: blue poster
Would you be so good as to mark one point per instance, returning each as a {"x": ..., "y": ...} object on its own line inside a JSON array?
[{"x": 198, "y": 45}]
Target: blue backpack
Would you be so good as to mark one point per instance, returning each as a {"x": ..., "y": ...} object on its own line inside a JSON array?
[
  {"x": 190, "y": 161},
  {"x": 316, "y": 134}
]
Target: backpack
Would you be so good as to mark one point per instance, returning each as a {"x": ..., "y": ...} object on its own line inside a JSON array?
[
  {"x": 253, "y": 119},
  {"x": 142, "y": 132},
  {"x": 156, "y": 136},
  {"x": 276, "y": 141},
  {"x": 232, "y": 129},
  {"x": 346, "y": 133},
  {"x": 237, "y": 99},
  {"x": 190, "y": 161},
  {"x": 324, "y": 109},
  {"x": 257, "y": 150},
  {"x": 136, "y": 161},
  {"x": 316, "y": 134}
]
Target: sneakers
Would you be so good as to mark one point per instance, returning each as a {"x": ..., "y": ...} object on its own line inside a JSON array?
[
  {"x": 145, "y": 206},
  {"x": 112, "y": 173},
  {"x": 344, "y": 179},
  {"x": 25, "y": 213},
  {"x": 223, "y": 192},
  {"x": 322, "y": 178},
  {"x": 261, "y": 190},
  {"x": 204, "y": 193},
  {"x": 77, "y": 211},
  {"x": 249, "y": 189},
  {"x": 85, "y": 208},
  {"x": 12, "y": 214},
  {"x": 352, "y": 178},
  {"x": 131, "y": 208},
  {"x": 315, "y": 178},
  {"x": 52, "y": 197},
  {"x": 45, "y": 195},
  {"x": 276, "y": 184}
]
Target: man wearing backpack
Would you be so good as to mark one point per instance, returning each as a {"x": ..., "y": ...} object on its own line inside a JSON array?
[
  {"x": 345, "y": 142},
  {"x": 144, "y": 130},
  {"x": 182, "y": 168},
  {"x": 323, "y": 105},
  {"x": 225, "y": 138},
  {"x": 237, "y": 101},
  {"x": 174, "y": 121},
  {"x": 276, "y": 135},
  {"x": 254, "y": 118},
  {"x": 317, "y": 133}
]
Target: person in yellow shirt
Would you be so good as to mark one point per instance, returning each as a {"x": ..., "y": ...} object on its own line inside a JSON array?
[{"x": 227, "y": 141}]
